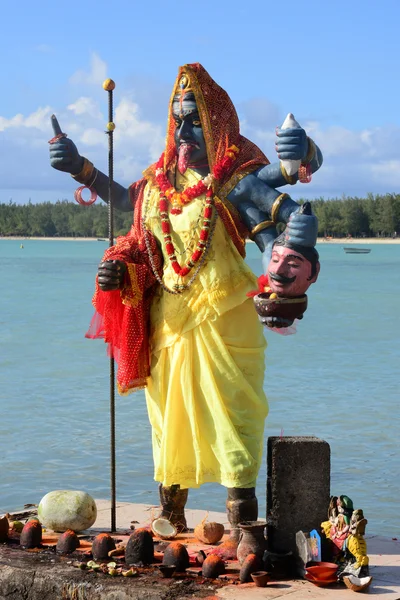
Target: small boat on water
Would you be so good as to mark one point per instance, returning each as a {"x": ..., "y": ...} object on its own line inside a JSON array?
[{"x": 355, "y": 250}]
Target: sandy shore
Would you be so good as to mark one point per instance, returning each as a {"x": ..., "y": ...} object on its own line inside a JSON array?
[{"x": 342, "y": 241}]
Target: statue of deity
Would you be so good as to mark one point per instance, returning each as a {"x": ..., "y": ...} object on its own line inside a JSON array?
[{"x": 171, "y": 296}]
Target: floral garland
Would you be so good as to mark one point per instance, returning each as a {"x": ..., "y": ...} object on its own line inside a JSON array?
[
  {"x": 169, "y": 194},
  {"x": 179, "y": 199}
]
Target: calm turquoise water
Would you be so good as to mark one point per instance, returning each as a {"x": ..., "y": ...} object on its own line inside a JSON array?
[{"x": 337, "y": 378}]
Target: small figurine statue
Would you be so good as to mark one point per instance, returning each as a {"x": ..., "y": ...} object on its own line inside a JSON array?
[
  {"x": 345, "y": 530},
  {"x": 356, "y": 546},
  {"x": 345, "y": 507},
  {"x": 337, "y": 528},
  {"x": 339, "y": 533},
  {"x": 332, "y": 516}
]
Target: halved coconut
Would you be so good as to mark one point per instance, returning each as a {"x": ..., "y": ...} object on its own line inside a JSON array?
[
  {"x": 357, "y": 584},
  {"x": 163, "y": 529}
]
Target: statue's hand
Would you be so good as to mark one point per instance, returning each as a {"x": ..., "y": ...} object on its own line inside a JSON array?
[
  {"x": 291, "y": 144},
  {"x": 64, "y": 155},
  {"x": 110, "y": 275},
  {"x": 302, "y": 227}
]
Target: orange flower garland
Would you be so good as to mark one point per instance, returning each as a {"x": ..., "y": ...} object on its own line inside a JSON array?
[
  {"x": 179, "y": 199},
  {"x": 169, "y": 194}
]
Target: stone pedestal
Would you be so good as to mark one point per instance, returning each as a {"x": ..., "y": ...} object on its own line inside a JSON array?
[{"x": 298, "y": 488}]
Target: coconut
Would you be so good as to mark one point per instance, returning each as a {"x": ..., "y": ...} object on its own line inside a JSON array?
[
  {"x": 213, "y": 566},
  {"x": 67, "y": 542},
  {"x": 251, "y": 564},
  {"x": 176, "y": 554},
  {"x": 164, "y": 529},
  {"x": 209, "y": 533},
  {"x": 140, "y": 548},
  {"x": 227, "y": 550},
  {"x": 4, "y": 527},
  {"x": 357, "y": 584},
  {"x": 102, "y": 544},
  {"x": 31, "y": 535}
]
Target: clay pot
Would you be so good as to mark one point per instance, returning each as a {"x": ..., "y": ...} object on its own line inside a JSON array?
[
  {"x": 285, "y": 308},
  {"x": 260, "y": 578},
  {"x": 252, "y": 540}
]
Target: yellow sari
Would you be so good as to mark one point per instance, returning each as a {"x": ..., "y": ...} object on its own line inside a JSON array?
[{"x": 205, "y": 394}]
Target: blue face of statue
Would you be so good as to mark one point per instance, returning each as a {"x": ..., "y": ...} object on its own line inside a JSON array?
[{"x": 189, "y": 137}]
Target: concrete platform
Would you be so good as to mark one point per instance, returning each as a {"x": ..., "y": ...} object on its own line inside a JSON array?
[{"x": 25, "y": 575}]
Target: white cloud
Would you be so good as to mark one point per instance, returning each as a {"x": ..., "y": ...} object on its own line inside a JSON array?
[
  {"x": 96, "y": 75},
  {"x": 40, "y": 119},
  {"x": 131, "y": 129},
  {"x": 93, "y": 137},
  {"x": 86, "y": 106}
]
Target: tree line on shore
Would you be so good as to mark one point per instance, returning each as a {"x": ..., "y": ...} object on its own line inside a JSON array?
[{"x": 373, "y": 216}]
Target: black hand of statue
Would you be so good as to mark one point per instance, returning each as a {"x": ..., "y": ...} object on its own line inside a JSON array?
[
  {"x": 64, "y": 155},
  {"x": 110, "y": 275}
]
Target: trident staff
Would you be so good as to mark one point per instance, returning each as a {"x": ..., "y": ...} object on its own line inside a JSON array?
[
  {"x": 61, "y": 151},
  {"x": 109, "y": 86}
]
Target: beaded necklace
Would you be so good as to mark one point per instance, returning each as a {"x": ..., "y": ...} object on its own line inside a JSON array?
[{"x": 178, "y": 288}]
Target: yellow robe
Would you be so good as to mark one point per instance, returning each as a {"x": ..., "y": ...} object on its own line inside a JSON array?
[{"x": 205, "y": 394}]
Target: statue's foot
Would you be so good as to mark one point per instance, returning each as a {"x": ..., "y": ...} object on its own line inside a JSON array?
[
  {"x": 241, "y": 506},
  {"x": 173, "y": 501}
]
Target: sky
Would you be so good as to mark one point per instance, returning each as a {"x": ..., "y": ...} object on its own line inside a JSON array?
[{"x": 334, "y": 65}]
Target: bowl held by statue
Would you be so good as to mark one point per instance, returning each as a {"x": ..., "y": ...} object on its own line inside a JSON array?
[{"x": 278, "y": 306}]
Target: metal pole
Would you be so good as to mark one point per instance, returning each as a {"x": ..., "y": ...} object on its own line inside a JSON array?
[{"x": 109, "y": 86}]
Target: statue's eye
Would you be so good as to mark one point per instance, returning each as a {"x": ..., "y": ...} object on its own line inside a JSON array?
[
  {"x": 196, "y": 123},
  {"x": 177, "y": 123}
]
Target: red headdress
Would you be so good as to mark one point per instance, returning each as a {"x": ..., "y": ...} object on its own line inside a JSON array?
[{"x": 219, "y": 121}]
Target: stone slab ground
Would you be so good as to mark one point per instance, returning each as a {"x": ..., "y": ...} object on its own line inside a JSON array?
[{"x": 38, "y": 575}]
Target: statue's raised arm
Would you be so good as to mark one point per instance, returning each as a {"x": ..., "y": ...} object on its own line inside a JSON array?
[{"x": 64, "y": 156}]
